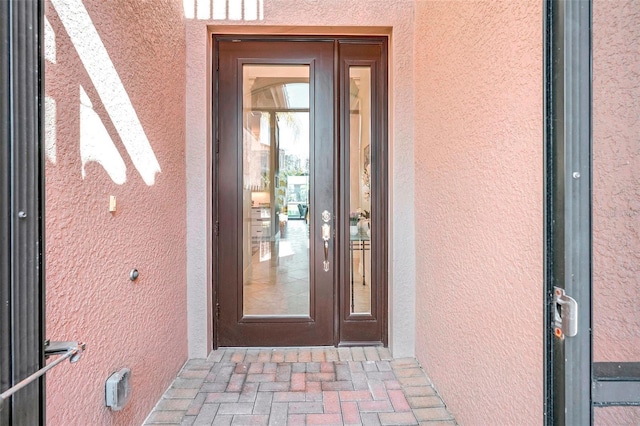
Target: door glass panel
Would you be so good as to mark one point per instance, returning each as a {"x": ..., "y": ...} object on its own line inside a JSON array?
[
  {"x": 275, "y": 170},
  {"x": 360, "y": 190},
  {"x": 616, "y": 192}
]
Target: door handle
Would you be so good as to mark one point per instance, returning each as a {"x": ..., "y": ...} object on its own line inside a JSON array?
[{"x": 326, "y": 236}]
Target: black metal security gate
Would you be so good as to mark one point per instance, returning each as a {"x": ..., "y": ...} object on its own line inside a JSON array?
[
  {"x": 576, "y": 386},
  {"x": 21, "y": 209}
]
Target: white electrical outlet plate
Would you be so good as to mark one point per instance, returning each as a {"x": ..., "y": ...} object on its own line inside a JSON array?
[{"x": 118, "y": 389}]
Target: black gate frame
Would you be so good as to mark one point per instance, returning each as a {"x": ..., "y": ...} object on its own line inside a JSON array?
[
  {"x": 574, "y": 384},
  {"x": 21, "y": 208}
]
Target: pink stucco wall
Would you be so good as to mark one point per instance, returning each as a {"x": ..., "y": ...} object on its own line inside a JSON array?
[
  {"x": 90, "y": 251},
  {"x": 616, "y": 182},
  {"x": 616, "y": 190},
  {"x": 479, "y": 197}
]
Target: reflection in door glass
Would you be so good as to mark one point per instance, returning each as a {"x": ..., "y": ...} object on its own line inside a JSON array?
[
  {"x": 275, "y": 170},
  {"x": 360, "y": 190}
]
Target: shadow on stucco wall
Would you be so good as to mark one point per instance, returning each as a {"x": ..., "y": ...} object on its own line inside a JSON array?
[{"x": 115, "y": 126}]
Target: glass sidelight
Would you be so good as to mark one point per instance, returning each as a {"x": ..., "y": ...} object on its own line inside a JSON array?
[
  {"x": 363, "y": 134},
  {"x": 276, "y": 187},
  {"x": 360, "y": 171}
]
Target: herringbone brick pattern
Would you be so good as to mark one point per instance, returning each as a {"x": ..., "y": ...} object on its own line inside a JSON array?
[{"x": 302, "y": 386}]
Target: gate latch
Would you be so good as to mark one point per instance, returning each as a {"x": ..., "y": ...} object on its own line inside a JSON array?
[{"x": 565, "y": 317}]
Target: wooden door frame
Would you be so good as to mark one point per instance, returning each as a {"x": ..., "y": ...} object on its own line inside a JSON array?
[
  {"x": 381, "y": 230},
  {"x": 318, "y": 327}
]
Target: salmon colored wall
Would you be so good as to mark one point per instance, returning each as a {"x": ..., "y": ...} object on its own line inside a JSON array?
[
  {"x": 616, "y": 190},
  {"x": 133, "y": 149},
  {"x": 616, "y": 182},
  {"x": 479, "y": 199}
]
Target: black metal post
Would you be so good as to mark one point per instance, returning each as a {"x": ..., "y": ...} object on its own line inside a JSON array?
[
  {"x": 21, "y": 208},
  {"x": 568, "y": 205}
]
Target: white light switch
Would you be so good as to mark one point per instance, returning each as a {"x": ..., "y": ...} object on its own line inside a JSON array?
[{"x": 112, "y": 203}]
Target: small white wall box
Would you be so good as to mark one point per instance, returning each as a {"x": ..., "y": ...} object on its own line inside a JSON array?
[{"x": 118, "y": 389}]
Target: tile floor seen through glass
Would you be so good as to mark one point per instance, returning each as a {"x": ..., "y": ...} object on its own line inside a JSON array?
[{"x": 279, "y": 284}]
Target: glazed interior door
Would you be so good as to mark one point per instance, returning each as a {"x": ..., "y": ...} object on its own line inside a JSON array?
[{"x": 275, "y": 193}]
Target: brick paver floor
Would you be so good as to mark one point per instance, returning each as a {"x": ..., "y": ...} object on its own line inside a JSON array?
[{"x": 301, "y": 386}]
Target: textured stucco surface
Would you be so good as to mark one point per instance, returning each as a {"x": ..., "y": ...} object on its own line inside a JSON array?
[
  {"x": 90, "y": 251},
  {"x": 478, "y": 203},
  {"x": 616, "y": 190},
  {"x": 326, "y": 17},
  {"x": 616, "y": 181}
]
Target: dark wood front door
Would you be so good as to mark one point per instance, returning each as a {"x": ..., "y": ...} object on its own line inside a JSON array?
[{"x": 295, "y": 145}]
